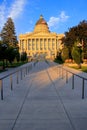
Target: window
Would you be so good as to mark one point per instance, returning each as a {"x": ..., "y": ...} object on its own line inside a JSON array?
[
  {"x": 29, "y": 46},
  {"x": 22, "y": 45},
  {"x": 29, "y": 40},
  {"x": 33, "y": 48}
]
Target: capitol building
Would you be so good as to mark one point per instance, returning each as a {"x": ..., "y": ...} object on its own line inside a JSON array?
[{"x": 40, "y": 42}]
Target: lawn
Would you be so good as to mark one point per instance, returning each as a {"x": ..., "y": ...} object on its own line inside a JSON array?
[
  {"x": 83, "y": 68},
  {"x": 15, "y": 64}
]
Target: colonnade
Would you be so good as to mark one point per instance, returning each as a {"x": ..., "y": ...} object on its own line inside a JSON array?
[{"x": 39, "y": 45}]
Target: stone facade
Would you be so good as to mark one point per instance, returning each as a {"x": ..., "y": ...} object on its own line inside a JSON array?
[{"x": 41, "y": 41}]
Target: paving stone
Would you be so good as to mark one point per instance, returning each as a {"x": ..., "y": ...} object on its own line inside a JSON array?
[{"x": 43, "y": 101}]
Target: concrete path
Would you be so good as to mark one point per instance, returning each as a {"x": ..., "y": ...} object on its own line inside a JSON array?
[{"x": 43, "y": 101}]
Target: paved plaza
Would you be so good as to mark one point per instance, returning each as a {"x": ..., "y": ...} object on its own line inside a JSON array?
[{"x": 43, "y": 100}]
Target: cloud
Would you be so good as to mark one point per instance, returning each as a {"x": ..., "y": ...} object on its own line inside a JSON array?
[
  {"x": 2, "y": 13},
  {"x": 55, "y": 21},
  {"x": 63, "y": 17},
  {"x": 13, "y": 10},
  {"x": 16, "y": 8}
]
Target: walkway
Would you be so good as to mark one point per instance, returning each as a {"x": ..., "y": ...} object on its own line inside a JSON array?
[{"x": 43, "y": 101}]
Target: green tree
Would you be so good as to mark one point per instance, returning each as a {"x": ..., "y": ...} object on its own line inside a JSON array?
[
  {"x": 8, "y": 35},
  {"x": 3, "y": 50},
  {"x": 65, "y": 53},
  {"x": 77, "y": 54},
  {"x": 24, "y": 56},
  {"x": 17, "y": 55},
  {"x": 9, "y": 40},
  {"x": 77, "y": 32},
  {"x": 11, "y": 54}
]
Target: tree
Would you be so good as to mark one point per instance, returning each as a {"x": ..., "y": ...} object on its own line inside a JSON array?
[
  {"x": 77, "y": 32},
  {"x": 77, "y": 54},
  {"x": 3, "y": 50},
  {"x": 8, "y": 35},
  {"x": 24, "y": 56},
  {"x": 65, "y": 53},
  {"x": 0, "y": 50},
  {"x": 9, "y": 39},
  {"x": 17, "y": 55},
  {"x": 11, "y": 54}
]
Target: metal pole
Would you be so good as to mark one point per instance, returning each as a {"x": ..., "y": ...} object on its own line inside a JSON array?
[
  {"x": 66, "y": 77},
  {"x": 1, "y": 86},
  {"x": 26, "y": 70},
  {"x": 59, "y": 72},
  {"x": 83, "y": 88},
  {"x": 73, "y": 81},
  {"x": 31, "y": 66},
  {"x": 17, "y": 77},
  {"x": 21, "y": 74},
  {"x": 11, "y": 82},
  {"x": 57, "y": 69},
  {"x": 62, "y": 72}
]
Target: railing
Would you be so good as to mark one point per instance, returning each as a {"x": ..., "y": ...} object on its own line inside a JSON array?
[
  {"x": 64, "y": 73},
  {"x": 61, "y": 74},
  {"x": 20, "y": 72}
]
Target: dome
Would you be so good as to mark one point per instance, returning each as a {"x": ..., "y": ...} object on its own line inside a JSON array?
[
  {"x": 41, "y": 21},
  {"x": 41, "y": 25}
]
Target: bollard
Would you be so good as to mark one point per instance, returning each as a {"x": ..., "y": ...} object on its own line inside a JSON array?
[{"x": 1, "y": 86}]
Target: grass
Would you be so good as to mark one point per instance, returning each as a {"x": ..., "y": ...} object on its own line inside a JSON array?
[
  {"x": 13, "y": 65},
  {"x": 16, "y": 64},
  {"x": 83, "y": 68}
]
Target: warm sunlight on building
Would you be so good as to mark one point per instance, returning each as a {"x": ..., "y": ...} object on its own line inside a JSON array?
[{"x": 41, "y": 41}]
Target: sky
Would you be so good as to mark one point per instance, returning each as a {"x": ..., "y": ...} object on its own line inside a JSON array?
[{"x": 59, "y": 14}]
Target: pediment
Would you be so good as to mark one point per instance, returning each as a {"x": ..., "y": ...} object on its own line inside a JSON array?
[{"x": 33, "y": 34}]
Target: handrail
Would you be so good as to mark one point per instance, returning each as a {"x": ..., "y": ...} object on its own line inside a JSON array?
[
  {"x": 23, "y": 71},
  {"x": 73, "y": 74},
  {"x": 14, "y": 72}
]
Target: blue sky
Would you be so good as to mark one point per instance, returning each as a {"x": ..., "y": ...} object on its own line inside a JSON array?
[{"x": 59, "y": 14}]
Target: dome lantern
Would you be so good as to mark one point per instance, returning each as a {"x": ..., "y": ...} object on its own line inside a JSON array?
[
  {"x": 41, "y": 25},
  {"x": 41, "y": 16}
]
